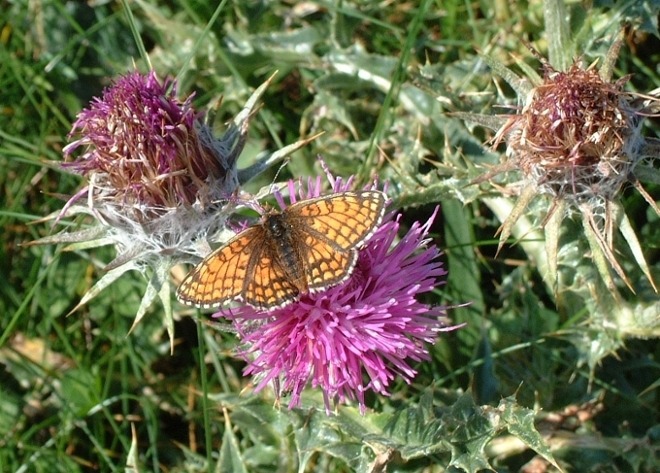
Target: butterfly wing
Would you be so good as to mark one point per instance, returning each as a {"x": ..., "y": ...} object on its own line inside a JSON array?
[
  {"x": 326, "y": 265},
  {"x": 269, "y": 286},
  {"x": 326, "y": 232},
  {"x": 330, "y": 229},
  {"x": 345, "y": 220},
  {"x": 222, "y": 275}
]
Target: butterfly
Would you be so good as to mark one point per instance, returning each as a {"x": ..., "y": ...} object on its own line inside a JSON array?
[{"x": 310, "y": 246}]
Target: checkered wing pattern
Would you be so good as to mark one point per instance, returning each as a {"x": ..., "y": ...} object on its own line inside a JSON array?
[
  {"x": 221, "y": 276},
  {"x": 345, "y": 220},
  {"x": 269, "y": 285},
  {"x": 323, "y": 234},
  {"x": 330, "y": 230}
]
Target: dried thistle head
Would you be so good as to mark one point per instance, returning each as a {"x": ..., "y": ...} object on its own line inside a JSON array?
[
  {"x": 146, "y": 153},
  {"x": 577, "y": 139}
]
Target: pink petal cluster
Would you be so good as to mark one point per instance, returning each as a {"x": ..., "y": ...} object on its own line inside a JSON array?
[{"x": 356, "y": 336}]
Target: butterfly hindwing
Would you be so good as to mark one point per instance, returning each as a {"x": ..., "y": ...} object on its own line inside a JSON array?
[
  {"x": 268, "y": 286},
  {"x": 326, "y": 265}
]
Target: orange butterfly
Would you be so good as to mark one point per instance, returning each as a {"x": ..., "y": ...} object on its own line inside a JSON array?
[{"x": 310, "y": 246}]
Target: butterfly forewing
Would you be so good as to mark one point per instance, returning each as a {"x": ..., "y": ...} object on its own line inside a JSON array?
[
  {"x": 346, "y": 219},
  {"x": 221, "y": 276}
]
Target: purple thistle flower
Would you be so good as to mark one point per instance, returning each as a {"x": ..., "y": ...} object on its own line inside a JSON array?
[
  {"x": 369, "y": 325},
  {"x": 156, "y": 176},
  {"x": 148, "y": 151}
]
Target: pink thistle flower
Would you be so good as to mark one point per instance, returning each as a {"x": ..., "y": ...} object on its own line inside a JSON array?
[{"x": 367, "y": 326}]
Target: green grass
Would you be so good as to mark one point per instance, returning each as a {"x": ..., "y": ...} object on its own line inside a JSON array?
[{"x": 79, "y": 393}]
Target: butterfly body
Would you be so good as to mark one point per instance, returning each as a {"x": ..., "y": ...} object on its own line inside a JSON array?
[
  {"x": 282, "y": 236},
  {"x": 309, "y": 246}
]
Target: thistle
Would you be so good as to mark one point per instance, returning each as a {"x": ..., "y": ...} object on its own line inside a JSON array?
[
  {"x": 158, "y": 181},
  {"x": 577, "y": 140},
  {"x": 356, "y": 336}
]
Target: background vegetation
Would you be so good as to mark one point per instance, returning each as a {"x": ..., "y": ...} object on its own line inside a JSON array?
[{"x": 527, "y": 385}]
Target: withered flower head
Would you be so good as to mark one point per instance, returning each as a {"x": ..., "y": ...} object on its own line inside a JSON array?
[
  {"x": 146, "y": 153},
  {"x": 576, "y": 138}
]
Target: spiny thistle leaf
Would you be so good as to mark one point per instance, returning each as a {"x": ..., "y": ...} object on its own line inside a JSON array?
[
  {"x": 231, "y": 458},
  {"x": 519, "y": 422}
]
